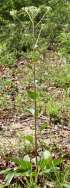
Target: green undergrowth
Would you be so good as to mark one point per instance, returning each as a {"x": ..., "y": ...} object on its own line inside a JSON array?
[
  {"x": 22, "y": 171},
  {"x": 53, "y": 86},
  {"x": 53, "y": 101}
]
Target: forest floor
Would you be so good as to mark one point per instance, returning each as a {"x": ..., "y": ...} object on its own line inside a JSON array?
[{"x": 15, "y": 120}]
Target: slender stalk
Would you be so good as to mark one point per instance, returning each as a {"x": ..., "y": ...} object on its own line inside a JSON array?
[
  {"x": 35, "y": 117},
  {"x": 35, "y": 102},
  {"x": 34, "y": 74}
]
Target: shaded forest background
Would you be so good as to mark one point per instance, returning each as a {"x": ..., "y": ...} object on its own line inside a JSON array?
[{"x": 16, "y": 32}]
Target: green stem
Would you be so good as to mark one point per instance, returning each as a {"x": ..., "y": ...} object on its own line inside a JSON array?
[
  {"x": 35, "y": 102},
  {"x": 35, "y": 117}
]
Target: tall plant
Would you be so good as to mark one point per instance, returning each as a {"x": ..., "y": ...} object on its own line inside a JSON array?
[{"x": 32, "y": 13}]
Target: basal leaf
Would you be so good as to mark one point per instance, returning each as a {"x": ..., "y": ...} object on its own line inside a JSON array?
[
  {"x": 23, "y": 164},
  {"x": 9, "y": 177},
  {"x": 33, "y": 95}
]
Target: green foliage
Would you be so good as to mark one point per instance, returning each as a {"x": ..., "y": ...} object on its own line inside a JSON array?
[
  {"x": 53, "y": 108},
  {"x": 16, "y": 29},
  {"x": 64, "y": 44},
  {"x": 7, "y": 58},
  {"x": 47, "y": 167},
  {"x": 33, "y": 95},
  {"x": 60, "y": 77}
]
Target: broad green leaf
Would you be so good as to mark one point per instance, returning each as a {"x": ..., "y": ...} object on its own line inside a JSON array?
[
  {"x": 29, "y": 138},
  {"x": 9, "y": 177},
  {"x": 5, "y": 171},
  {"x": 23, "y": 164},
  {"x": 44, "y": 164},
  {"x": 57, "y": 162},
  {"x": 33, "y": 95},
  {"x": 48, "y": 165}
]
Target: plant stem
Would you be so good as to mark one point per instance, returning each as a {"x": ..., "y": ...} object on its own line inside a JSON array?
[
  {"x": 35, "y": 102},
  {"x": 35, "y": 117}
]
